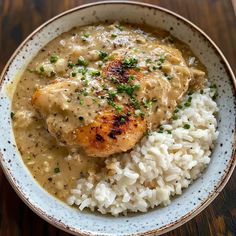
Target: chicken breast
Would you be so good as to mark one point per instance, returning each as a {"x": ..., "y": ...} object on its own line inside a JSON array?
[{"x": 109, "y": 111}]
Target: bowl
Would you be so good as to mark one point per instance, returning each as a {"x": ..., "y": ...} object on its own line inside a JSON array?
[{"x": 159, "y": 220}]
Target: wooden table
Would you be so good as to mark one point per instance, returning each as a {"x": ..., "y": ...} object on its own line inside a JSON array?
[{"x": 19, "y": 18}]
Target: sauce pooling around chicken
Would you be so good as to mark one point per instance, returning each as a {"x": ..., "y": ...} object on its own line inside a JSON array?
[{"x": 96, "y": 91}]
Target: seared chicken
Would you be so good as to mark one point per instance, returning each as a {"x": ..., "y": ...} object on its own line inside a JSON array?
[{"x": 108, "y": 112}]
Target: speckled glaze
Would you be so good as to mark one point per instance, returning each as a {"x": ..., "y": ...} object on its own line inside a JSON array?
[{"x": 156, "y": 221}]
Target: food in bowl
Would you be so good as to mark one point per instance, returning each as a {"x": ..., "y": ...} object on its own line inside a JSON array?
[{"x": 114, "y": 117}]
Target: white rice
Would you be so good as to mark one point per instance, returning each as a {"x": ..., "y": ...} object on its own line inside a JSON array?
[{"x": 159, "y": 167}]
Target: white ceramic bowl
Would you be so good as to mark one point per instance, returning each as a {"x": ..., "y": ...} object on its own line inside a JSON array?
[{"x": 159, "y": 220}]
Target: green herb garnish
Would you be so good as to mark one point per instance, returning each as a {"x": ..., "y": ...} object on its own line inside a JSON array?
[
  {"x": 118, "y": 108},
  {"x": 124, "y": 88},
  {"x": 186, "y": 126},
  {"x": 119, "y": 27},
  {"x": 148, "y": 104},
  {"x": 95, "y": 73},
  {"x": 56, "y": 170},
  {"x": 100, "y": 63},
  {"x": 86, "y": 35},
  {"x": 169, "y": 77},
  {"x": 54, "y": 58},
  {"x": 85, "y": 93},
  {"x": 12, "y": 114},
  {"x": 187, "y": 104},
  {"x": 41, "y": 68},
  {"x": 82, "y": 61},
  {"x": 130, "y": 62},
  {"x": 73, "y": 74},
  {"x": 135, "y": 103},
  {"x": 122, "y": 120},
  {"x": 112, "y": 95},
  {"x": 70, "y": 64},
  {"x": 131, "y": 78},
  {"x": 175, "y": 117},
  {"x": 148, "y": 60},
  {"x": 103, "y": 55}
]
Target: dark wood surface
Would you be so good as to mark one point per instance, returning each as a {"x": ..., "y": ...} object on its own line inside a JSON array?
[{"x": 18, "y": 18}]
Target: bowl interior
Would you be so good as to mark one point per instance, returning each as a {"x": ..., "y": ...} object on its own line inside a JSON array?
[{"x": 160, "y": 219}]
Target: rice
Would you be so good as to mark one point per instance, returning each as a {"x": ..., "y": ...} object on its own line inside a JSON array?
[{"x": 159, "y": 167}]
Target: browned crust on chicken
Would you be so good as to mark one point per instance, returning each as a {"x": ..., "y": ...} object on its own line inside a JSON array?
[
  {"x": 110, "y": 133},
  {"x": 116, "y": 69}
]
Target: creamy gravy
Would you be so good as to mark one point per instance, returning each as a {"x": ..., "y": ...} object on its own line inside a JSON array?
[{"x": 158, "y": 55}]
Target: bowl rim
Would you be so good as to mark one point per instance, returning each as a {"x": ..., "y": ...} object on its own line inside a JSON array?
[{"x": 173, "y": 225}]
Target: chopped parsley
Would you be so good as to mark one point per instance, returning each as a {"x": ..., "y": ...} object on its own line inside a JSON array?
[
  {"x": 122, "y": 120},
  {"x": 85, "y": 93},
  {"x": 148, "y": 60},
  {"x": 137, "y": 112},
  {"x": 148, "y": 104},
  {"x": 81, "y": 102},
  {"x": 142, "y": 114},
  {"x": 130, "y": 62},
  {"x": 95, "y": 73},
  {"x": 213, "y": 86},
  {"x": 113, "y": 35},
  {"x": 188, "y": 103},
  {"x": 12, "y": 115},
  {"x": 135, "y": 102},
  {"x": 56, "y": 170},
  {"x": 82, "y": 61},
  {"x": 187, "y": 126},
  {"x": 41, "y": 68},
  {"x": 85, "y": 82},
  {"x": 112, "y": 95},
  {"x": 86, "y": 35},
  {"x": 131, "y": 78},
  {"x": 119, "y": 27},
  {"x": 175, "y": 117},
  {"x": 73, "y": 74},
  {"x": 82, "y": 71},
  {"x": 118, "y": 108},
  {"x": 99, "y": 63},
  {"x": 54, "y": 58},
  {"x": 124, "y": 88},
  {"x": 169, "y": 77},
  {"x": 160, "y": 61},
  {"x": 70, "y": 64},
  {"x": 103, "y": 55},
  {"x": 176, "y": 110}
]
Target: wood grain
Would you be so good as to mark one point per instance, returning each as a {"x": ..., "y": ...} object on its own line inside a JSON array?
[{"x": 18, "y": 18}]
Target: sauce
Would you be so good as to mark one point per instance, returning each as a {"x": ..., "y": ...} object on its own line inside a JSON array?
[{"x": 164, "y": 69}]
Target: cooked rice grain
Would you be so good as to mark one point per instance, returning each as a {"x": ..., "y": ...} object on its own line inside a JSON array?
[{"x": 159, "y": 167}]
